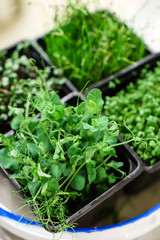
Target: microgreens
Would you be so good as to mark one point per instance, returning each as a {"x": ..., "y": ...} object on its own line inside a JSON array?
[
  {"x": 136, "y": 110},
  {"x": 91, "y": 46},
  {"x": 66, "y": 155},
  {"x": 20, "y": 75}
]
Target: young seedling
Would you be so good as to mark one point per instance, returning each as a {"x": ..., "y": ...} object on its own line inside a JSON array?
[
  {"x": 91, "y": 46},
  {"x": 20, "y": 75},
  {"x": 136, "y": 110}
]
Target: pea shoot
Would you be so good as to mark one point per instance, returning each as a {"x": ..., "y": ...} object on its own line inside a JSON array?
[{"x": 65, "y": 157}]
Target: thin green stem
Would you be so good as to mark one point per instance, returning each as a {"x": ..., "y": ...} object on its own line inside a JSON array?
[
  {"x": 27, "y": 106},
  {"x": 71, "y": 173},
  {"x": 122, "y": 143},
  {"x": 103, "y": 162},
  {"x": 74, "y": 175},
  {"x": 30, "y": 134},
  {"x": 37, "y": 193}
]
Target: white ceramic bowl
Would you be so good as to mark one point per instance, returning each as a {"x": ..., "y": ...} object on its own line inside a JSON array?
[{"x": 134, "y": 228}]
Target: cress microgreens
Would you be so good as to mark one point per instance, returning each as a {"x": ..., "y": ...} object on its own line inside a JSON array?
[
  {"x": 136, "y": 109},
  {"x": 91, "y": 46},
  {"x": 65, "y": 157},
  {"x": 19, "y": 75}
]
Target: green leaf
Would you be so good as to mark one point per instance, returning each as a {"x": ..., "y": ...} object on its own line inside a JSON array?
[
  {"x": 27, "y": 170},
  {"x": 33, "y": 149},
  {"x": 89, "y": 152},
  {"x": 100, "y": 175},
  {"x": 14, "y": 153},
  {"x": 16, "y": 111},
  {"x": 17, "y": 176},
  {"x": 5, "y": 81},
  {"x": 59, "y": 112},
  {"x": 104, "y": 151},
  {"x": 67, "y": 171},
  {"x": 115, "y": 164},
  {"x": 42, "y": 100},
  {"x": 112, "y": 178},
  {"x": 100, "y": 123},
  {"x": 45, "y": 125},
  {"x": 94, "y": 101},
  {"x": 45, "y": 144},
  {"x": 73, "y": 153},
  {"x": 45, "y": 164},
  {"x": 50, "y": 187},
  {"x": 73, "y": 150},
  {"x": 15, "y": 123},
  {"x": 44, "y": 189},
  {"x": 113, "y": 127},
  {"x": 78, "y": 182},
  {"x": 81, "y": 108},
  {"x": 86, "y": 126},
  {"x": 41, "y": 173},
  {"x": 7, "y": 161},
  {"x": 55, "y": 171},
  {"x": 115, "y": 133},
  {"x": 62, "y": 166},
  {"x": 53, "y": 186},
  {"x": 4, "y": 140},
  {"x": 55, "y": 98},
  {"x": 111, "y": 140},
  {"x": 91, "y": 171},
  {"x": 20, "y": 147},
  {"x": 33, "y": 124},
  {"x": 58, "y": 153},
  {"x": 56, "y": 113},
  {"x": 33, "y": 187}
]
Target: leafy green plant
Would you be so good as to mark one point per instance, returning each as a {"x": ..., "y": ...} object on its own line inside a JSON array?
[
  {"x": 63, "y": 159},
  {"x": 136, "y": 109},
  {"x": 91, "y": 46},
  {"x": 20, "y": 75}
]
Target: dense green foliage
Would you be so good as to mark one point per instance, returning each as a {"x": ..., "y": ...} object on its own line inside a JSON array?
[
  {"x": 91, "y": 46},
  {"x": 66, "y": 155},
  {"x": 137, "y": 111},
  {"x": 18, "y": 77}
]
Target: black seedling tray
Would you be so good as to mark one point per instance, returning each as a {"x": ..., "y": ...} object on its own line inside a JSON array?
[
  {"x": 127, "y": 75},
  {"x": 33, "y": 51},
  {"x": 102, "y": 205}
]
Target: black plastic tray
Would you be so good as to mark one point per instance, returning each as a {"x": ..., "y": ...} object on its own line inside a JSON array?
[
  {"x": 88, "y": 215},
  {"x": 33, "y": 51},
  {"x": 127, "y": 75}
]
